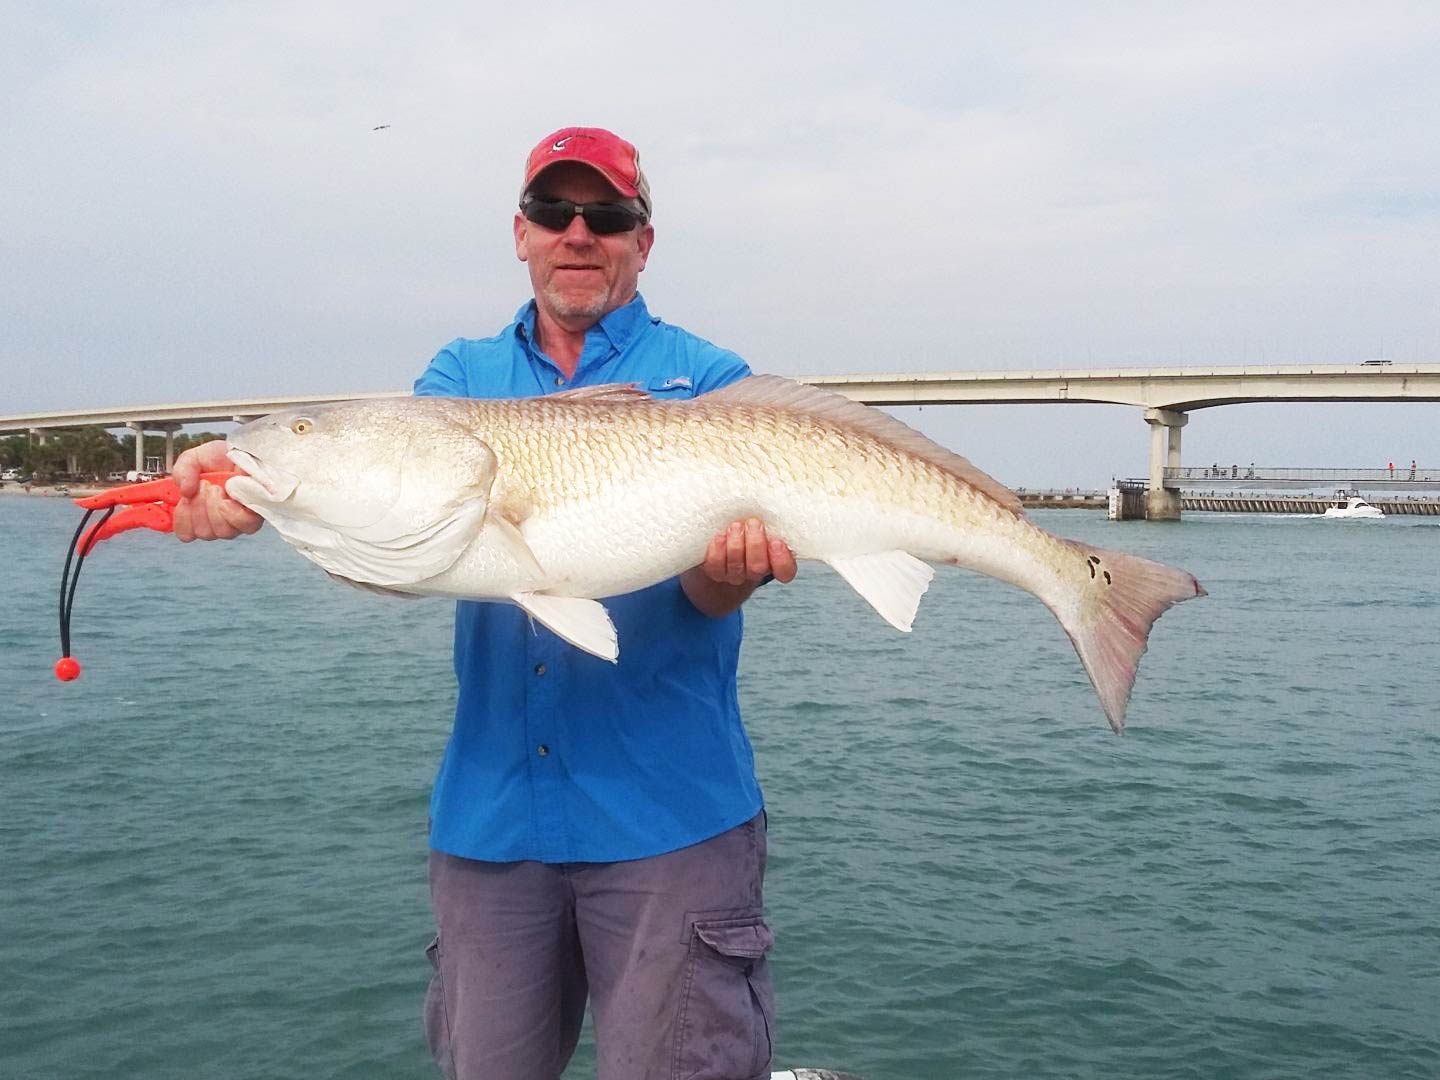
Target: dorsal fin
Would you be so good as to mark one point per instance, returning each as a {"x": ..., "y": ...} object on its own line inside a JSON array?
[
  {"x": 776, "y": 392},
  {"x": 628, "y": 392}
]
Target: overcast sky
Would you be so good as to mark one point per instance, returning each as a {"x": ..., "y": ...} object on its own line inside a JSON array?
[{"x": 193, "y": 203}]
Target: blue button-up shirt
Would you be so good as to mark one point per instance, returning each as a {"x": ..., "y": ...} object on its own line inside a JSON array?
[{"x": 558, "y": 755}]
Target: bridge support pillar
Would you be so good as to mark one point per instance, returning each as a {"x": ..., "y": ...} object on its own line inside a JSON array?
[
  {"x": 139, "y": 430},
  {"x": 170, "y": 430},
  {"x": 1162, "y": 504}
]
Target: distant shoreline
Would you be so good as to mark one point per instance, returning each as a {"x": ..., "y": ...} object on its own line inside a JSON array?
[{"x": 44, "y": 491}]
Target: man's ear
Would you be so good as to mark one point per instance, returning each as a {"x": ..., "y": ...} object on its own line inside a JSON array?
[
  {"x": 645, "y": 241},
  {"x": 520, "y": 236}
]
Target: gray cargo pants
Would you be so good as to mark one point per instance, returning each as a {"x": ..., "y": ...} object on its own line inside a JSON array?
[{"x": 671, "y": 951}]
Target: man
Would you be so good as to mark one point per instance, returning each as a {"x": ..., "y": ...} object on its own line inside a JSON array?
[{"x": 597, "y": 830}]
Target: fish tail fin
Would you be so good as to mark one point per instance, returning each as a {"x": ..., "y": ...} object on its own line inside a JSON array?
[{"x": 1110, "y": 625}]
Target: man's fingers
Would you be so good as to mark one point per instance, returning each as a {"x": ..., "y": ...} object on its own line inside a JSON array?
[
  {"x": 715, "y": 557},
  {"x": 735, "y": 553},
  {"x": 782, "y": 561},
  {"x": 186, "y": 471},
  {"x": 207, "y": 457},
  {"x": 240, "y": 517},
  {"x": 757, "y": 551},
  {"x": 221, "y": 507},
  {"x": 199, "y": 520},
  {"x": 213, "y": 455},
  {"x": 745, "y": 554},
  {"x": 212, "y": 515},
  {"x": 180, "y": 522},
  {"x": 220, "y": 525}
]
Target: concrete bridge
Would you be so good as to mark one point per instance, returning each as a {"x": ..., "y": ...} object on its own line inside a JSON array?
[
  {"x": 169, "y": 419},
  {"x": 1166, "y": 396}
]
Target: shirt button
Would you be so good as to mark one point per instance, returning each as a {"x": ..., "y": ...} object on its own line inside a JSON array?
[
  {"x": 539, "y": 669},
  {"x": 543, "y": 750},
  {"x": 559, "y": 380}
]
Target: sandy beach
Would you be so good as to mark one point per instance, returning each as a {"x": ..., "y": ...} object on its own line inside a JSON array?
[{"x": 54, "y": 491}]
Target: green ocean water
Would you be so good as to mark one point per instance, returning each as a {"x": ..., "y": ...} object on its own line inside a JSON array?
[{"x": 212, "y": 846}]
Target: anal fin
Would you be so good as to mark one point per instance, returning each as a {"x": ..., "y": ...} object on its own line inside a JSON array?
[
  {"x": 583, "y": 623},
  {"x": 892, "y": 582}
]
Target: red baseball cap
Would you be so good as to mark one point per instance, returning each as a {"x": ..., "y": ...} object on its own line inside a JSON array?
[{"x": 604, "y": 151}]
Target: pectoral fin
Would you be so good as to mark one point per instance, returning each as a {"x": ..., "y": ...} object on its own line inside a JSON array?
[
  {"x": 891, "y": 581},
  {"x": 365, "y": 586},
  {"x": 514, "y": 542},
  {"x": 583, "y": 623}
]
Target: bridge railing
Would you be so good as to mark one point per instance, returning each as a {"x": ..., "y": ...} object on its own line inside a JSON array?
[{"x": 1282, "y": 475}]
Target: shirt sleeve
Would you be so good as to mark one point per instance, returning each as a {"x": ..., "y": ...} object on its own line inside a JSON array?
[
  {"x": 718, "y": 367},
  {"x": 445, "y": 377}
]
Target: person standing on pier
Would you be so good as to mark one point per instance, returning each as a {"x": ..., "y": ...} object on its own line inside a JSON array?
[{"x": 597, "y": 830}]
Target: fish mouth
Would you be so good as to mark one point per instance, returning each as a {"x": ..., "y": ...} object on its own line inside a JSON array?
[{"x": 278, "y": 484}]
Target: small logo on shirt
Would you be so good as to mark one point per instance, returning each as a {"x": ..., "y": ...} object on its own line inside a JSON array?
[{"x": 679, "y": 380}]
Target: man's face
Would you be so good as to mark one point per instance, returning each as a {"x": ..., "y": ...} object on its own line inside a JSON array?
[{"x": 579, "y": 277}]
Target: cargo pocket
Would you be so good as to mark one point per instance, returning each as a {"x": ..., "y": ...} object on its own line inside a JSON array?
[
  {"x": 437, "y": 1016},
  {"x": 727, "y": 1012}
]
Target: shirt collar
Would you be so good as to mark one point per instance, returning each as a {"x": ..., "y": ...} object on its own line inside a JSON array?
[{"x": 619, "y": 327}]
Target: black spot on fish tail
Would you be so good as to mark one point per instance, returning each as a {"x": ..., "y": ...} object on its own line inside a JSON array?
[{"x": 1107, "y": 577}]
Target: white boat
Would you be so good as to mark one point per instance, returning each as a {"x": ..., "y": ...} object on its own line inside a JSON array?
[{"x": 1355, "y": 507}]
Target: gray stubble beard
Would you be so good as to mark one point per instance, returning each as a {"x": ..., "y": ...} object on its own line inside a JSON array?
[{"x": 567, "y": 308}]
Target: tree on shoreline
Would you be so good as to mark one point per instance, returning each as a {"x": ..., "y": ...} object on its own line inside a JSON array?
[{"x": 89, "y": 453}]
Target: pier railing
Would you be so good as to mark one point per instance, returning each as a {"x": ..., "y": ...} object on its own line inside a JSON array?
[
  {"x": 1335, "y": 477},
  {"x": 1127, "y": 498}
]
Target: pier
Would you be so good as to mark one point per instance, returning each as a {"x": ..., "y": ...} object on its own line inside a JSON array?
[
  {"x": 1127, "y": 500},
  {"x": 1409, "y": 488},
  {"x": 1302, "y": 504},
  {"x": 1063, "y": 499}
]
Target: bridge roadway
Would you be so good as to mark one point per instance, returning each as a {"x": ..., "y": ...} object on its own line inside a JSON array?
[{"x": 1167, "y": 396}]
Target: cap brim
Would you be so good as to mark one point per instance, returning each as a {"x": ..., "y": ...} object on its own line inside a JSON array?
[{"x": 630, "y": 191}]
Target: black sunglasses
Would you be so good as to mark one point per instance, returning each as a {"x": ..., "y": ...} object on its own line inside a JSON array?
[{"x": 603, "y": 219}]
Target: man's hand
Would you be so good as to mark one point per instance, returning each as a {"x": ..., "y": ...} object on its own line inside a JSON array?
[
  {"x": 736, "y": 562},
  {"x": 205, "y": 512}
]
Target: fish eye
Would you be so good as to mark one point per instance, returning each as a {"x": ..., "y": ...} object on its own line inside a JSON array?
[{"x": 302, "y": 425}]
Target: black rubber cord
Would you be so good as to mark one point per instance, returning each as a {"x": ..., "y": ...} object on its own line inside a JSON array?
[{"x": 68, "y": 583}]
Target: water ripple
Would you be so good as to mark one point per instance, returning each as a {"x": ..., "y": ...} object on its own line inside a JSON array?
[{"x": 213, "y": 844}]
